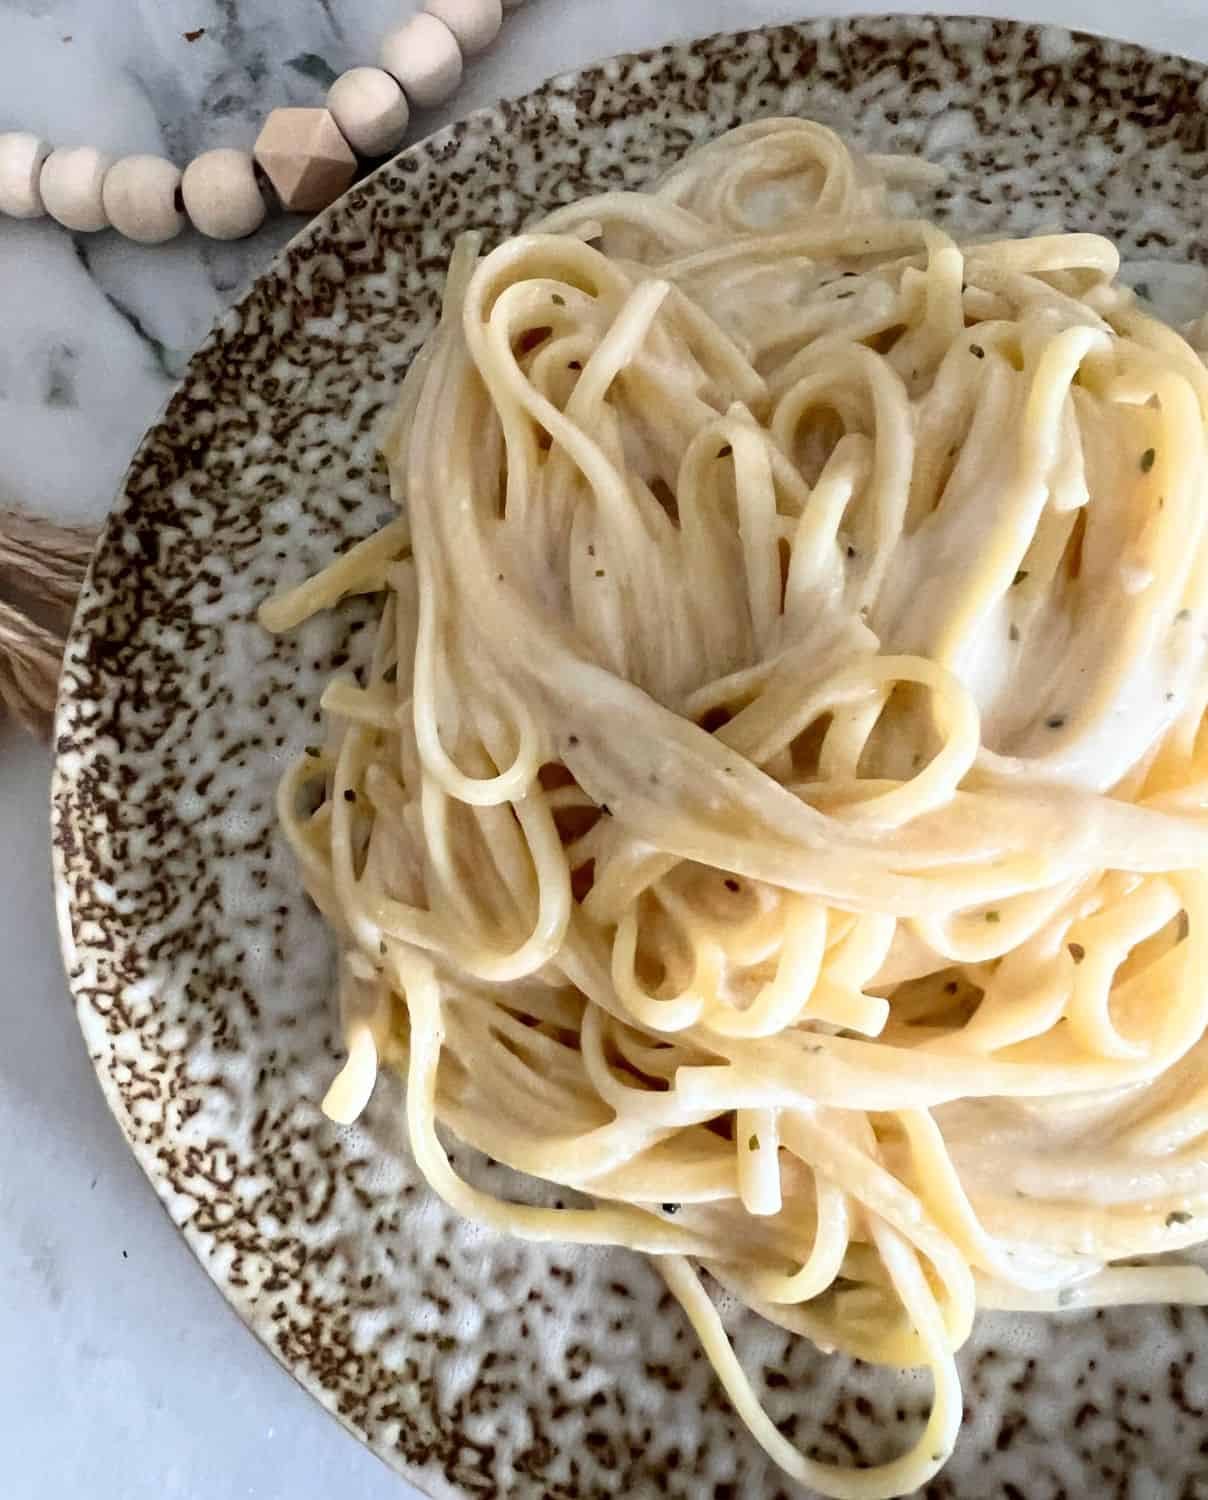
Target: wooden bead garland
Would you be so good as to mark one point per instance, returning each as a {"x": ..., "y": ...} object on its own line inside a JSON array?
[{"x": 306, "y": 154}]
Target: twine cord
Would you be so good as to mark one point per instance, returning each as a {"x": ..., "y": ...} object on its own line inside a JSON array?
[{"x": 41, "y": 569}]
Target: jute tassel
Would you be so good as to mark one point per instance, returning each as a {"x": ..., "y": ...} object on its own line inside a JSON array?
[{"x": 41, "y": 568}]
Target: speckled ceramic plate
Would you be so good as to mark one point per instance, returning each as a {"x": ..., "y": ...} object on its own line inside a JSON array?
[{"x": 476, "y": 1365}]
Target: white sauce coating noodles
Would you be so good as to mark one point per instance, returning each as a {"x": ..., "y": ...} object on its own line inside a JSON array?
[{"x": 776, "y": 805}]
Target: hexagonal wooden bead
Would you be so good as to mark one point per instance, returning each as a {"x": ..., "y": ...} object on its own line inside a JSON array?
[{"x": 304, "y": 156}]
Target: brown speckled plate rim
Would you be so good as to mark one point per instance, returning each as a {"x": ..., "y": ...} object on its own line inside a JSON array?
[{"x": 310, "y": 235}]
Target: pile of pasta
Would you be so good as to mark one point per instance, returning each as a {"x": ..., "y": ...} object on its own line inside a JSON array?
[{"x": 775, "y": 807}]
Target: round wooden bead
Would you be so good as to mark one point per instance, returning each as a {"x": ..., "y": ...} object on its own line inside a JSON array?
[
  {"x": 21, "y": 158},
  {"x": 221, "y": 194},
  {"x": 140, "y": 196},
  {"x": 475, "y": 23},
  {"x": 370, "y": 109},
  {"x": 71, "y": 185},
  {"x": 423, "y": 55}
]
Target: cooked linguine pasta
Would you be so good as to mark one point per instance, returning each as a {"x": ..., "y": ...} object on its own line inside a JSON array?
[{"x": 776, "y": 804}]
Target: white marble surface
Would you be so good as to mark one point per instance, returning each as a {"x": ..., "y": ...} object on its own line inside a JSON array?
[{"x": 124, "y": 1376}]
